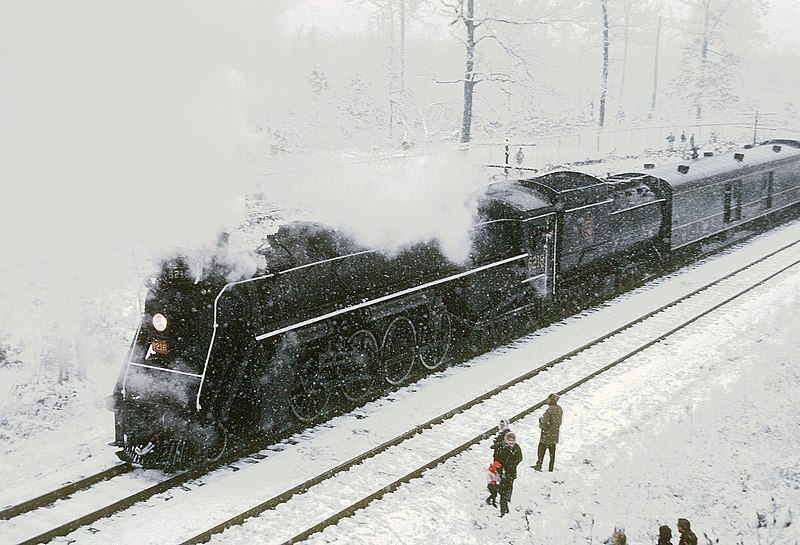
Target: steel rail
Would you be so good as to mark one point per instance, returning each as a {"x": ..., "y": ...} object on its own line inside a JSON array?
[
  {"x": 303, "y": 487},
  {"x": 63, "y": 492},
  {"x": 352, "y": 509},
  {"x": 181, "y": 478}
]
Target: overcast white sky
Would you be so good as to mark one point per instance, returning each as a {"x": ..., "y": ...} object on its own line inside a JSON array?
[{"x": 140, "y": 117}]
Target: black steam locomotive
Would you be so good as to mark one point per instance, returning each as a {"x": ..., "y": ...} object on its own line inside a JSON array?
[{"x": 329, "y": 323}]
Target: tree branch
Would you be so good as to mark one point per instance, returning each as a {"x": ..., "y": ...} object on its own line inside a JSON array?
[{"x": 541, "y": 21}]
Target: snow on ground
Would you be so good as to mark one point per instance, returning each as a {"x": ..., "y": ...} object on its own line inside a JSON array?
[{"x": 704, "y": 426}]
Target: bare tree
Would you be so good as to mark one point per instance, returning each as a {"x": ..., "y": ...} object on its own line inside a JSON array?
[
  {"x": 707, "y": 63},
  {"x": 633, "y": 19},
  {"x": 396, "y": 14},
  {"x": 604, "y": 80},
  {"x": 627, "y": 7},
  {"x": 711, "y": 18},
  {"x": 478, "y": 29},
  {"x": 655, "y": 63},
  {"x": 470, "y": 81}
]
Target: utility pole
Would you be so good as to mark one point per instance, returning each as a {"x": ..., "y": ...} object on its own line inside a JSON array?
[
  {"x": 755, "y": 129},
  {"x": 755, "y": 125}
]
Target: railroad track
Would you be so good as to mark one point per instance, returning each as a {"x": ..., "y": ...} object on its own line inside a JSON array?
[
  {"x": 78, "y": 504},
  {"x": 81, "y": 502},
  {"x": 356, "y": 481},
  {"x": 385, "y": 469},
  {"x": 64, "y": 492}
]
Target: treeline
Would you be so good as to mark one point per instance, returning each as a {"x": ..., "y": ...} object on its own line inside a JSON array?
[{"x": 464, "y": 70}]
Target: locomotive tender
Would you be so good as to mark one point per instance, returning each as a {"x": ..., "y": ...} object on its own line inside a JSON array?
[{"x": 327, "y": 320}]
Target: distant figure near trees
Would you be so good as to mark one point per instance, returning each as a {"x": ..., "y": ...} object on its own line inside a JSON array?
[
  {"x": 671, "y": 140},
  {"x": 550, "y": 424}
]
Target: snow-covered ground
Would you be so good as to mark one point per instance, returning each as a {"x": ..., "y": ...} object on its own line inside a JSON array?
[{"x": 704, "y": 426}]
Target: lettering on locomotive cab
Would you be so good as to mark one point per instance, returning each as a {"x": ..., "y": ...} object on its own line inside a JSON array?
[
  {"x": 587, "y": 228},
  {"x": 537, "y": 261},
  {"x": 159, "y": 346}
]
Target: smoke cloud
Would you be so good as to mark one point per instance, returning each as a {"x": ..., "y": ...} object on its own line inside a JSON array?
[
  {"x": 390, "y": 202},
  {"x": 121, "y": 124}
]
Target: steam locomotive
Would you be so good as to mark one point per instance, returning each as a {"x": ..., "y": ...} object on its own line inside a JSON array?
[{"x": 327, "y": 322}]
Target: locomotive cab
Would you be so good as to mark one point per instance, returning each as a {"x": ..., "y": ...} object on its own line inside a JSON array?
[{"x": 513, "y": 240}]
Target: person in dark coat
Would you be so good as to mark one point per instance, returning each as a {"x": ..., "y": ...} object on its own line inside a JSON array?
[
  {"x": 685, "y": 530},
  {"x": 503, "y": 430},
  {"x": 509, "y": 454},
  {"x": 550, "y": 424},
  {"x": 664, "y": 535}
]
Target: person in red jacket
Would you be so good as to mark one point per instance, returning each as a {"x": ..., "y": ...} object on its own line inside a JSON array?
[{"x": 494, "y": 476}]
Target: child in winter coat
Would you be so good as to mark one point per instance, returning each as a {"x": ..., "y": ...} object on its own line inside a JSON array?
[
  {"x": 494, "y": 476},
  {"x": 618, "y": 537}
]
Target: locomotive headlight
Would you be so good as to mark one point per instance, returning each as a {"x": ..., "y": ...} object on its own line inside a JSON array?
[{"x": 160, "y": 322}]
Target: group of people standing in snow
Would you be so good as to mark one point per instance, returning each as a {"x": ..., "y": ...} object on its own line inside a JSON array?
[
  {"x": 684, "y": 529},
  {"x": 503, "y": 469},
  {"x": 508, "y": 454},
  {"x": 618, "y": 536}
]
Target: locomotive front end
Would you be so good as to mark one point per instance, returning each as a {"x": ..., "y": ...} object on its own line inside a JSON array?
[{"x": 158, "y": 422}]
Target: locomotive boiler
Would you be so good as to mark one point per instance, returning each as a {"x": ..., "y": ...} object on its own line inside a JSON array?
[{"x": 327, "y": 323}]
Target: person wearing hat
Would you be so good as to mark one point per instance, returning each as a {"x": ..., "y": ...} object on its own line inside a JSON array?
[
  {"x": 509, "y": 454},
  {"x": 685, "y": 530},
  {"x": 617, "y": 537},
  {"x": 494, "y": 478},
  {"x": 664, "y": 535},
  {"x": 502, "y": 431},
  {"x": 549, "y": 424}
]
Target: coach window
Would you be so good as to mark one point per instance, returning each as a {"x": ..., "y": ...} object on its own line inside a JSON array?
[
  {"x": 768, "y": 189},
  {"x": 737, "y": 200},
  {"x": 726, "y": 203}
]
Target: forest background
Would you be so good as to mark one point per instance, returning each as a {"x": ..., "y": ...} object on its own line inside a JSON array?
[
  {"x": 428, "y": 70},
  {"x": 129, "y": 129}
]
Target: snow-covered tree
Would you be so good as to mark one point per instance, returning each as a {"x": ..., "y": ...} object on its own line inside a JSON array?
[
  {"x": 484, "y": 23},
  {"x": 358, "y": 111},
  {"x": 708, "y": 64},
  {"x": 393, "y": 18},
  {"x": 318, "y": 82},
  {"x": 604, "y": 79}
]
